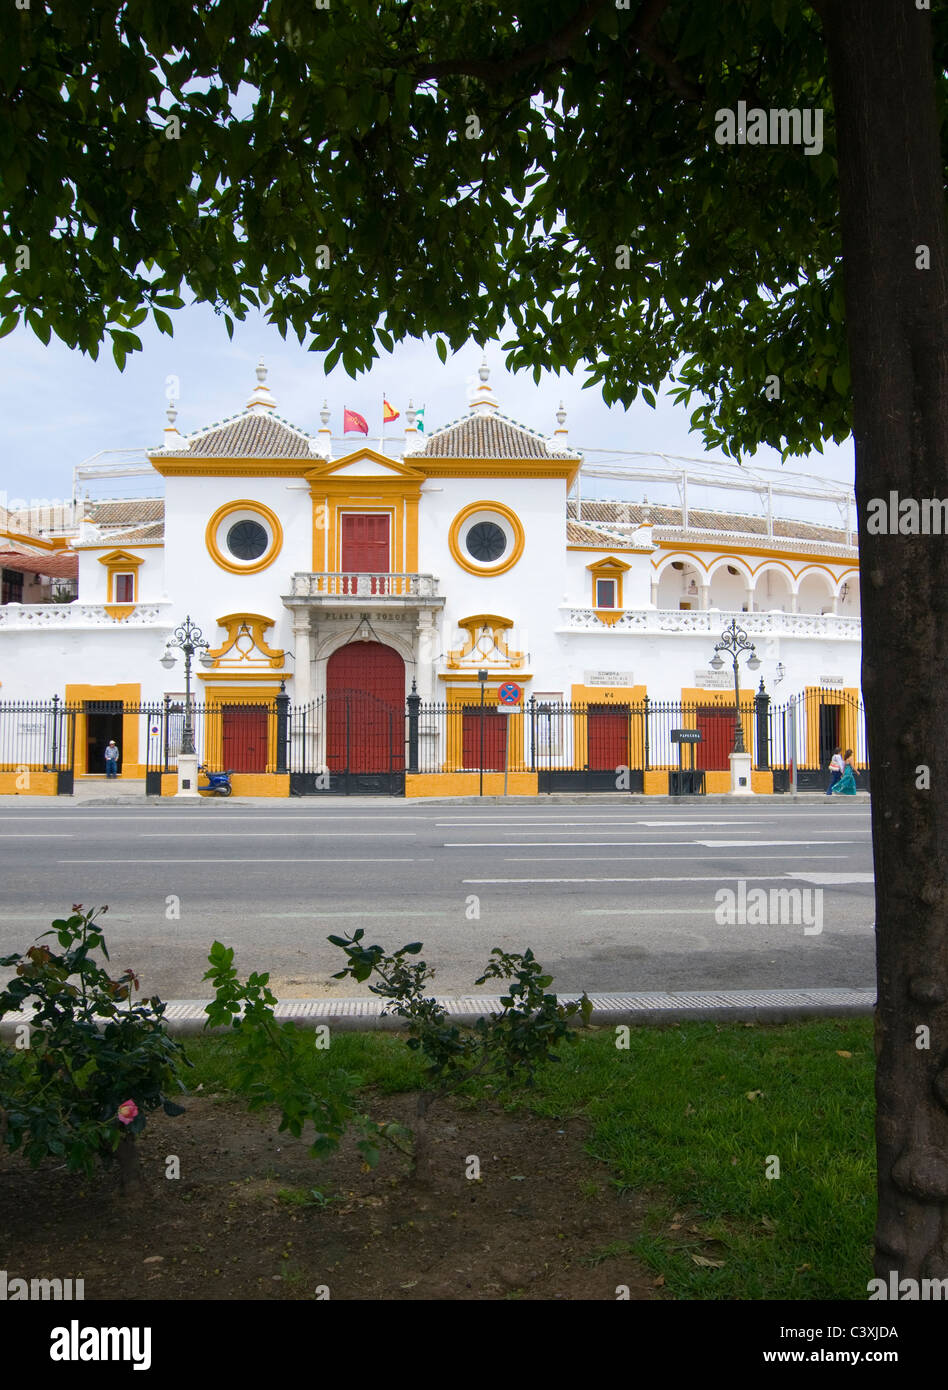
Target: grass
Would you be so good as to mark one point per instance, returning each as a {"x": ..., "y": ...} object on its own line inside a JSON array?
[{"x": 695, "y": 1116}]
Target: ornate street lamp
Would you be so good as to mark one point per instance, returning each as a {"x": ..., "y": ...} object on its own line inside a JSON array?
[
  {"x": 189, "y": 638},
  {"x": 734, "y": 641}
]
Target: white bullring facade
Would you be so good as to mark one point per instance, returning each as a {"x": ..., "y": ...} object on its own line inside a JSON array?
[{"x": 317, "y": 576}]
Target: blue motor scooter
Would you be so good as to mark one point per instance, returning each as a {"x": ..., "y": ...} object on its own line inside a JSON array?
[{"x": 217, "y": 782}]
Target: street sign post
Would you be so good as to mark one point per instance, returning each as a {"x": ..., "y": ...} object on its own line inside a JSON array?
[{"x": 509, "y": 698}]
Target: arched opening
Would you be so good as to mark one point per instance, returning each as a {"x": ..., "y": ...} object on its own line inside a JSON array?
[
  {"x": 365, "y": 709},
  {"x": 728, "y": 588},
  {"x": 772, "y": 592},
  {"x": 815, "y": 594}
]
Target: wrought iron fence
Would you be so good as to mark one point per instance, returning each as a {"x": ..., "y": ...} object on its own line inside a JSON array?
[{"x": 355, "y": 742}]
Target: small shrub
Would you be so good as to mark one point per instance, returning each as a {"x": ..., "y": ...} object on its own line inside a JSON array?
[{"x": 95, "y": 1062}]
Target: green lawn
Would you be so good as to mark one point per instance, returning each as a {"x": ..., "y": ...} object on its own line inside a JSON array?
[{"x": 692, "y": 1115}]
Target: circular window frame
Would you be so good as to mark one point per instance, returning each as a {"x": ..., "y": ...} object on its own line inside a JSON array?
[
  {"x": 216, "y": 540},
  {"x": 486, "y": 511}
]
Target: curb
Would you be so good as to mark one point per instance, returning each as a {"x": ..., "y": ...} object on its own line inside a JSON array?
[
  {"x": 185, "y": 1017},
  {"x": 611, "y": 799}
]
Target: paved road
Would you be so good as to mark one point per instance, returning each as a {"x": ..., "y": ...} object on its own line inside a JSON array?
[{"x": 610, "y": 896}]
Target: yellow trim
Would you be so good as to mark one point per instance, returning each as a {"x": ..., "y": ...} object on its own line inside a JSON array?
[
  {"x": 398, "y": 472},
  {"x": 625, "y": 549},
  {"x": 129, "y": 695},
  {"x": 397, "y": 495},
  {"x": 474, "y": 626},
  {"x": 38, "y": 783},
  {"x": 848, "y": 699},
  {"x": 461, "y": 699},
  {"x": 500, "y": 468},
  {"x": 139, "y": 545},
  {"x": 231, "y": 468},
  {"x": 229, "y": 675},
  {"x": 120, "y": 562},
  {"x": 244, "y": 505},
  {"x": 237, "y": 695},
  {"x": 468, "y": 784},
  {"x": 694, "y": 695},
  {"x": 499, "y": 676},
  {"x": 609, "y": 568},
  {"x": 38, "y": 542},
  {"x": 118, "y": 612},
  {"x": 607, "y": 695},
  {"x": 505, "y": 562},
  {"x": 256, "y": 624},
  {"x": 670, "y": 548}
]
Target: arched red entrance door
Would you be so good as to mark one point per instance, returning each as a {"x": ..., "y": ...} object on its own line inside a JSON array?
[{"x": 365, "y": 709}]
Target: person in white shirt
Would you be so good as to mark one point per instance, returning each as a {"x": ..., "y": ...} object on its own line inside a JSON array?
[{"x": 835, "y": 769}]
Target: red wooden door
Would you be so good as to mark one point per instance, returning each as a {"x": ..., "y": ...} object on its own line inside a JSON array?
[
  {"x": 608, "y": 738},
  {"x": 365, "y": 548},
  {"x": 244, "y": 738},
  {"x": 716, "y": 726},
  {"x": 495, "y": 738},
  {"x": 365, "y": 709}
]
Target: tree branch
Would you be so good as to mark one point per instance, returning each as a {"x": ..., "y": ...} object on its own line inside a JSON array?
[{"x": 553, "y": 51}]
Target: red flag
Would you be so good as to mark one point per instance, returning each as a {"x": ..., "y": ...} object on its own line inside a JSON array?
[
  {"x": 351, "y": 421},
  {"x": 389, "y": 413}
]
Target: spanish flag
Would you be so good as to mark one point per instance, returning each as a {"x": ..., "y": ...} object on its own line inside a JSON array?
[
  {"x": 351, "y": 421},
  {"x": 388, "y": 413}
]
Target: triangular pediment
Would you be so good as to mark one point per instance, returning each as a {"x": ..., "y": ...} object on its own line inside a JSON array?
[{"x": 365, "y": 463}]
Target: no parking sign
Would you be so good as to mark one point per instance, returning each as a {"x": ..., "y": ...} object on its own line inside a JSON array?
[{"x": 509, "y": 695}]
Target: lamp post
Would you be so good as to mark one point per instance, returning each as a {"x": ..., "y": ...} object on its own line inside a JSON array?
[
  {"x": 189, "y": 639},
  {"x": 482, "y": 677},
  {"x": 734, "y": 641}
]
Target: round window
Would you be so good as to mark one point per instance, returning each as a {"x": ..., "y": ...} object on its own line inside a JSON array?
[
  {"x": 247, "y": 540},
  {"x": 486, "y": 542}
]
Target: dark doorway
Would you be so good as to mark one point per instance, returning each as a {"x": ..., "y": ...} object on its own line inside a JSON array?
[
  {"x": 829, "y": 732},
  {"x": 103, "y": 723}
]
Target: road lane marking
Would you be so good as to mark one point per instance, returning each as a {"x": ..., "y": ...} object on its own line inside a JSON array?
[
  {"x": 317, "y": 863},
  {"x": 833, "y": 880},
  {"x": 627, "y": 858},
  {"x": 277, "y": 834},
  {"x": 38, "y": 835},
  {"x": 700, "y": 878},
  {"x": 637, "y": 844}
]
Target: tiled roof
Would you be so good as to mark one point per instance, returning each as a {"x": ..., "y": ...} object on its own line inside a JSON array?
[
  {"x": 250, "y": 435},
  {"x": 129, "y": 511},
  {"x": 480, "y": 436},
  {"x": 631, "y": 514},
  {"x": 588, "y": 535},
  {"x": 154, "y": 532},
  {"x": 59, "y": 564}
]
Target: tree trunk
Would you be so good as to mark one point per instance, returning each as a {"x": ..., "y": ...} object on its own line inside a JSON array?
[
  {"x": 892, "y": 202},
  {"x": 129, "y": 1168},
  {"x": 421, "y": 1148}
]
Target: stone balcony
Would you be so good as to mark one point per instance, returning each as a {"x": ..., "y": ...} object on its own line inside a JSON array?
[
  {"x": 687, "y": 621},
  {"x": 25, "y": 616},
  {"x": 385, "y": 590}
]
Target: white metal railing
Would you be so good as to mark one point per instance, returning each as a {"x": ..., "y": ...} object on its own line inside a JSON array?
[
  {"x": 57, "y": 615},
  {"x": 702, "y": 620},
  {"x": 391, "y": 586}
]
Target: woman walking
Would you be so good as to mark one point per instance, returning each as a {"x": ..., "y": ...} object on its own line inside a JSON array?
[{"x": 846, "y": 786}]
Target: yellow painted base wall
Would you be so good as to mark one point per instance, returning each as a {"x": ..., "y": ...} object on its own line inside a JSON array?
[
  {"x": 717, "y": 782},
  {"x": 655, "y": 783},
  {"x": 40, "y": 784},
  {"x": 273, "y": 784},
  {"x": 468, "y": 784},
  {"x": 762, "y": 783}
]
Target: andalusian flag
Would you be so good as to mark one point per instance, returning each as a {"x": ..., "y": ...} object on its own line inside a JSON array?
[
  {"x": 389, "y": 413},
  {"x": 351, "y": 421},
  {"x": 420, "y": 419}
]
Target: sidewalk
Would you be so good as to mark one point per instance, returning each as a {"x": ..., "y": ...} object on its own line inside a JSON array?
[
  {"x": 185, "y": 1017},
  {"x": 91, "y": 795}
]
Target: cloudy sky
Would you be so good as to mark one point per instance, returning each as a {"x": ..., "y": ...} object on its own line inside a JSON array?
[{"x": 60, "y": 408}]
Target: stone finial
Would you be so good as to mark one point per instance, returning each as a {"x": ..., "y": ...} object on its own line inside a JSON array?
[
  {"x": 322, "y": 444},
  {"x": 414, "y": 439},
  {"x": 172, "y": 439},
  {"x": 261, "y": 401},
  {"x": 483, "y": 401}
]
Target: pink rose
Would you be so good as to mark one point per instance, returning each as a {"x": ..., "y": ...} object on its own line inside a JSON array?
[{"x": 127, "y": 1111}]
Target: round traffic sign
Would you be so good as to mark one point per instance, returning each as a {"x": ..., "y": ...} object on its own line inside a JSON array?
[{"x": 509, "y": 693}]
